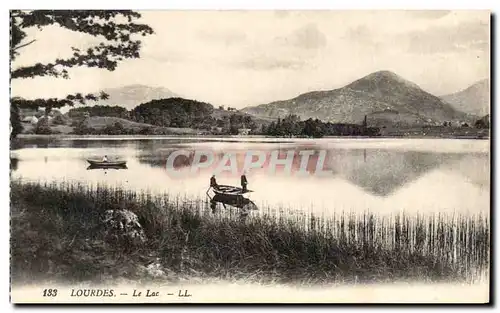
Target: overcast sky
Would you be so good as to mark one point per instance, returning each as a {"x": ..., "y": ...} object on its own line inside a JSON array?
[{"x": 240, "y": 58}]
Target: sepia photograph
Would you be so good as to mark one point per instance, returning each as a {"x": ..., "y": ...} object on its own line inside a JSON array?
[{"x": 250, "y": 156}]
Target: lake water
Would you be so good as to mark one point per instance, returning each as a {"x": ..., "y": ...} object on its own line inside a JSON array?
[{"x": 379, "y": 175}]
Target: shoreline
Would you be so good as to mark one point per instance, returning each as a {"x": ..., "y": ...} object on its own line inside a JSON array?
[{"x": 236, "y": 137}]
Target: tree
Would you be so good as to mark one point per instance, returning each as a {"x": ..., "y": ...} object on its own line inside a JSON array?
[
  {"x": 15, "y": 121},
  {"x": 116, "y": 28},
  {"x": 99, "y": 110},
  {"x": 58, "y": 120},
  {"x": 42, "y": 126},
  {"x": 291, "y": 125},
  {"x": 172, "y": 112},
  {"x": 313, "y": 128},
  {"x": 146, "y": 131},
  {"x": 483, "y": 122},
  {"x": 82, "y": 129},
  {"x": 115, "y": 129},
  {"x": 233, "y": 130}
]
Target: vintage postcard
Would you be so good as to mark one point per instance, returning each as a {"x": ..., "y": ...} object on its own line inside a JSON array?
[{"x": 250, "y": 156}]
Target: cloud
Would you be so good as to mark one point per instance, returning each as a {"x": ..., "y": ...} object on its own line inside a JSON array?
[
  {"x": 269, "y": 55},
  {"x": 362, "y": 38},
  {"x": 293, "y": 51},
  {"x": 442, "y": 39},
  {"x": 227, "y": 37},
  {"x": 360, "y": 33},
  {"x": 168, "y": 57},
  {"x": 306, "y": 37},
  {"x": 281, "y": 13},
  {"x": 265, "y": 62},
  {"x": 428, "y": 14},
  {"x": 482, "y": 46}
]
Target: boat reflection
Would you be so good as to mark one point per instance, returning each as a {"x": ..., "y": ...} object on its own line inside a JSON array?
[
  {"x": 230, "y": 198},
  {"x": 109, "y": 167}
]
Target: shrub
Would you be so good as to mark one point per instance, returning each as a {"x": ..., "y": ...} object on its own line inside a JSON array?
[
  {"x": 116, "y": 129},
  {"x": 146, "y": 131},
  {"x": 82, "y": 129},
  {"x": 59, "y": 120},
  {"x": 42, "y": 127}
]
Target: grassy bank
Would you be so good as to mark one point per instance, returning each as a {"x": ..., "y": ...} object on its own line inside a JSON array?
[
  {"x": 436, "y": 132},
  {"x": 56, "y": 233}
]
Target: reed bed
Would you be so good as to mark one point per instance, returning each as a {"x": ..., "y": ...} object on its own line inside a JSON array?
[{"x": 55, "y": 232}]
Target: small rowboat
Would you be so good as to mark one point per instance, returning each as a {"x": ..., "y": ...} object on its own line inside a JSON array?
[
  {"x": 229, "y": 190},
  {"x": 95, "y": 163}
]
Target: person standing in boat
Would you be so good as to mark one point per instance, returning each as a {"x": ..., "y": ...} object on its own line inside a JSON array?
[
  {"x": 105, "y": 159},
  {"x": 213, "y": 182},
  {"x": 244, "y": 182}
]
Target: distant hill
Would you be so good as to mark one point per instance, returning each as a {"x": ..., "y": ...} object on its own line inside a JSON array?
[
  {"x": 172, "y": 112},
  {"x": 132, "y": 95},
  {"x": 383, "y": 96},
  {"x": 221, "y": 114},
  {"x": 101, "y": 122},
  {"x": 180, "y": 112},
  {"x": 161, "y": 116},
  {"x": 474, "y": 100}
]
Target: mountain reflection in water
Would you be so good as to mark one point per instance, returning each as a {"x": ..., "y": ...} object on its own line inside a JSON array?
[{"x": 387, "y": 175}]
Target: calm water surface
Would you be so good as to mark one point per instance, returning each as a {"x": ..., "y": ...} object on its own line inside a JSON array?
[{"x": 382, "y": 175}]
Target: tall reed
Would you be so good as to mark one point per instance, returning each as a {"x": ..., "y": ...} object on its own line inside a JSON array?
[{"x": 55, "y": 229}]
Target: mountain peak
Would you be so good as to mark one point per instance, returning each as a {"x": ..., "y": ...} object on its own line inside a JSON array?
[
  {"x": 382, "y": 95},
  {"x": 135, "y": 86},
  {"x": 130, "y": 96},
  {"x": 484, "y": 81},
  {"x": 382, "y": 82},
  {"x": 384, "y": 73},
  {"x": 474, "y": 99}
]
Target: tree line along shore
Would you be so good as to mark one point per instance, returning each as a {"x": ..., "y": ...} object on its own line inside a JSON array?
[{"x": 178, "y": 116}]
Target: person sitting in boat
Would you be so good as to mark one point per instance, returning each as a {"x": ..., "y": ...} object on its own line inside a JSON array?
[
  {"x": 105, "y": 159},
  {"x": 244, "y": 182},
  {"x": 213, "y": 182}
]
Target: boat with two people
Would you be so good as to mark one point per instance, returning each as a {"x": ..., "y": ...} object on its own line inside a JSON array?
[{"x": 230, "y": 195}]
